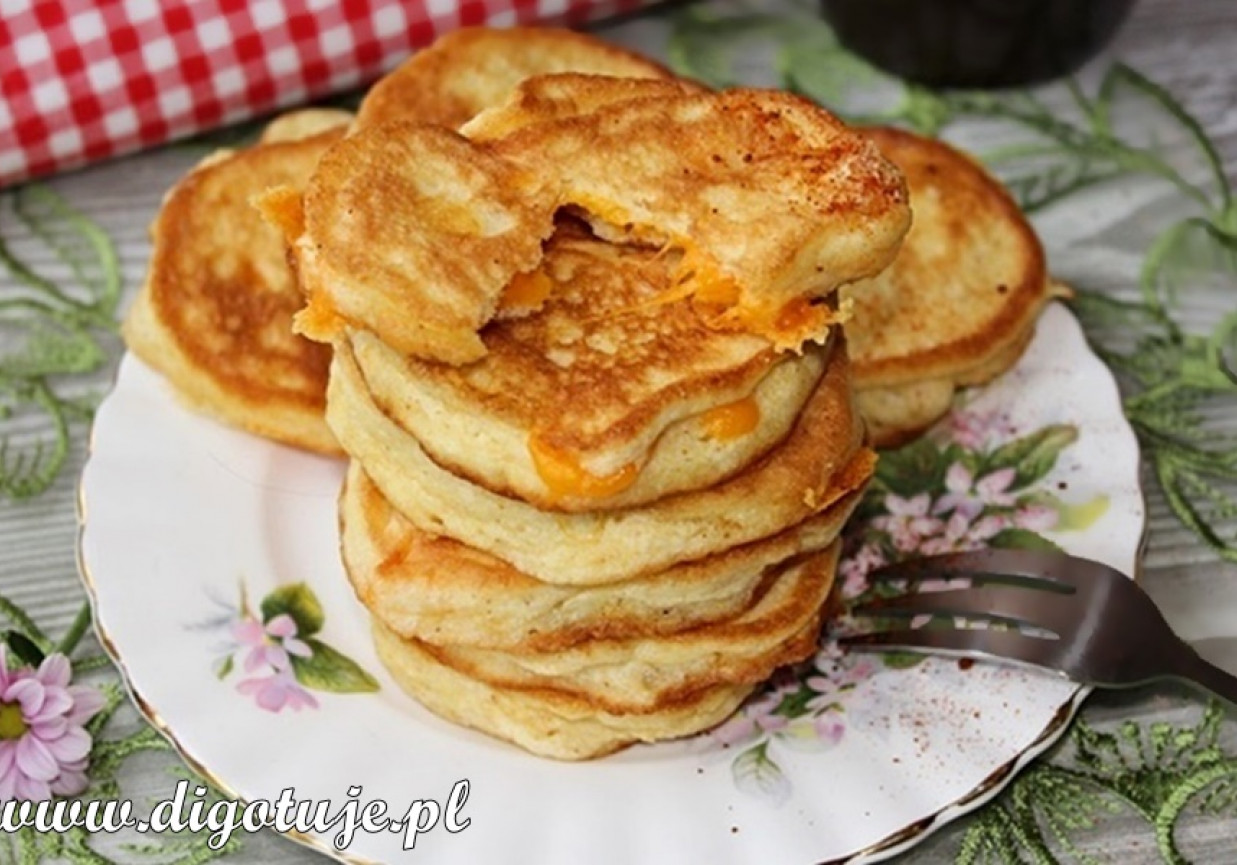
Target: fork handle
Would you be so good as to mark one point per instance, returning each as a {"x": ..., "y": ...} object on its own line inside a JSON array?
[{"x": 1194, "y": 668}]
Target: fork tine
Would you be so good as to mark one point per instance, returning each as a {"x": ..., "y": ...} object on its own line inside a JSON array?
[
  {"x": 1048, "y": 570},
  {"x": 979, "y": 642},
  {"x": 1054, "y": 611}
]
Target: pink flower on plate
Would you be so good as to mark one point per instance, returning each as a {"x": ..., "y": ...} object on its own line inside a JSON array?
[
  {"x": 270, "y": 644},
  {"x": 971, "y": 497},
  {"x": 908, "y": 521},
  {"x": 962, "y": 534},
  {"x": 813, "y": 732},
  {"x": 277, "y": 692},
  {"x": 755, "y": 719},
  {"x": 974, "y": 430},
  {"x": 856, "y": 567},
  {"x": 44, "y": 746}
]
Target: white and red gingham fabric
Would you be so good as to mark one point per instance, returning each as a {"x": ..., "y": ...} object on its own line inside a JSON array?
[{"x": 82, "y": 80}]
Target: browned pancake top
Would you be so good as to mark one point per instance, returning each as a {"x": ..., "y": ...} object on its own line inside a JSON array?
[
  {"x": 220, "y": 281},
  {"x": 605, "y": 355},
  {"x": 472, "y": 69},
  {"x": 969, "y": 279}
]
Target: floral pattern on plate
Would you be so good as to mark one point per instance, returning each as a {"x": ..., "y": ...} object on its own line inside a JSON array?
[
  {"x": 972, "y": 482},
  {"x": 282, "y": 659},
  {"x": 175, "y": 506}
]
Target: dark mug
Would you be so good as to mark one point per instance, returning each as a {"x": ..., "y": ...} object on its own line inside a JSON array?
[{"x": 976, "y": 43}]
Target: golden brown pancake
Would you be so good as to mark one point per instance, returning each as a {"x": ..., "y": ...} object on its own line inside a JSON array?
[
  {"x": 472, "y": 69},
  {"x": 400, "y": 216},
  {"x": 441, "y": 591},
  {"x": 214, "y": 315},
  {"x": 606, "y": 397},
  {"x": 546, "y": 722},
  {"x": 641, "y": 674},
  {"x": 604, "y": 695},
  {"x": 959, "y": 302},
  {"x": 821, "y": 461}
]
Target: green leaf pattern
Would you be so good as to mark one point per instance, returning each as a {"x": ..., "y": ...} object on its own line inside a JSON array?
[
  {"x": 328, "y": 670},
  {"x": 50, "y": 329}
]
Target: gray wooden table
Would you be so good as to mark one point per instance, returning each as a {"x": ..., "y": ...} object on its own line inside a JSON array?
[{"x": 1187, "y": 46}]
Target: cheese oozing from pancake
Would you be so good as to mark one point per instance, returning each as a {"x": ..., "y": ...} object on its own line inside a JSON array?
[
  {"x": 600, "y": 398},
  {"x": 401, "y": 217}
]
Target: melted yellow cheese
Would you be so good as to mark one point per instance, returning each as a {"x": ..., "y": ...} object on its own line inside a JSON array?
[
  {"x": 564, "y": 476},
  {"x": 707, "y": 282},
  {"x": 319, "y": 320},
  {"x": 800, "y": 315},
  {"x": 730, "y": 421},
  {"x": 526, "y": 291},
  {"x": 282, "y": 207}
]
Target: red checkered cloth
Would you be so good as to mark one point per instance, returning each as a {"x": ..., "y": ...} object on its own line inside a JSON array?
[{"x": 82, "y": 80}]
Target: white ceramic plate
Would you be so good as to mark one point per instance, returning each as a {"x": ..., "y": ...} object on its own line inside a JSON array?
[{"x": 852, "y": 760}]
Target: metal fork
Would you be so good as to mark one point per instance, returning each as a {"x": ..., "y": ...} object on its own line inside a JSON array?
[{"x": 1086, "y": 620}]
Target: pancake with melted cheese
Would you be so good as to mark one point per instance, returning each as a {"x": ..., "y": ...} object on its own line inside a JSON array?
[
  {"x": 820, "y": 461},
  {"x": 643, "y": 674},
  {"x": 402, "y": 216},
  {"x": 469, "y": 70},
  {"x": 544, "y": 721},
  {"x": 606, "y": 397},
  {"x": 214, "y": 315},
  {"x": 960, "y": 301},
  {"x": 444, "y": 592}
]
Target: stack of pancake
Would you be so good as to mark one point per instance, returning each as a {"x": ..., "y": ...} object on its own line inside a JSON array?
[
  {"x": 572, "y": 609},
  {"x": 584, "y": 360},
  {"x": 602, "y": 438}
]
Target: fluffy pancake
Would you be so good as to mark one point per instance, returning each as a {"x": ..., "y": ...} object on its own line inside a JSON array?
[
  {"x": 646, "y": 673},
  {"x": 958, "y": 304},
  {"x": 697, "y": 171},
  {"x": 546, "y": 722},
  {"x": 472, "y": 69},
  {"x": 897, "y": 413},
  {"x": 441, "y": 591},
  {"x": 400, "y": 216},
  {"x": 214, "y": 315},
  {"x": 606, "y": 397},
  {"x": 819, "y": 462}
]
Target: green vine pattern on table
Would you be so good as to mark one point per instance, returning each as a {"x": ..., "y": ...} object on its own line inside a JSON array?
[
  {"x": 1155, "y": 771},
  {"x": 1172, "y": 375},
  {"x": 50, "y": 331}
]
